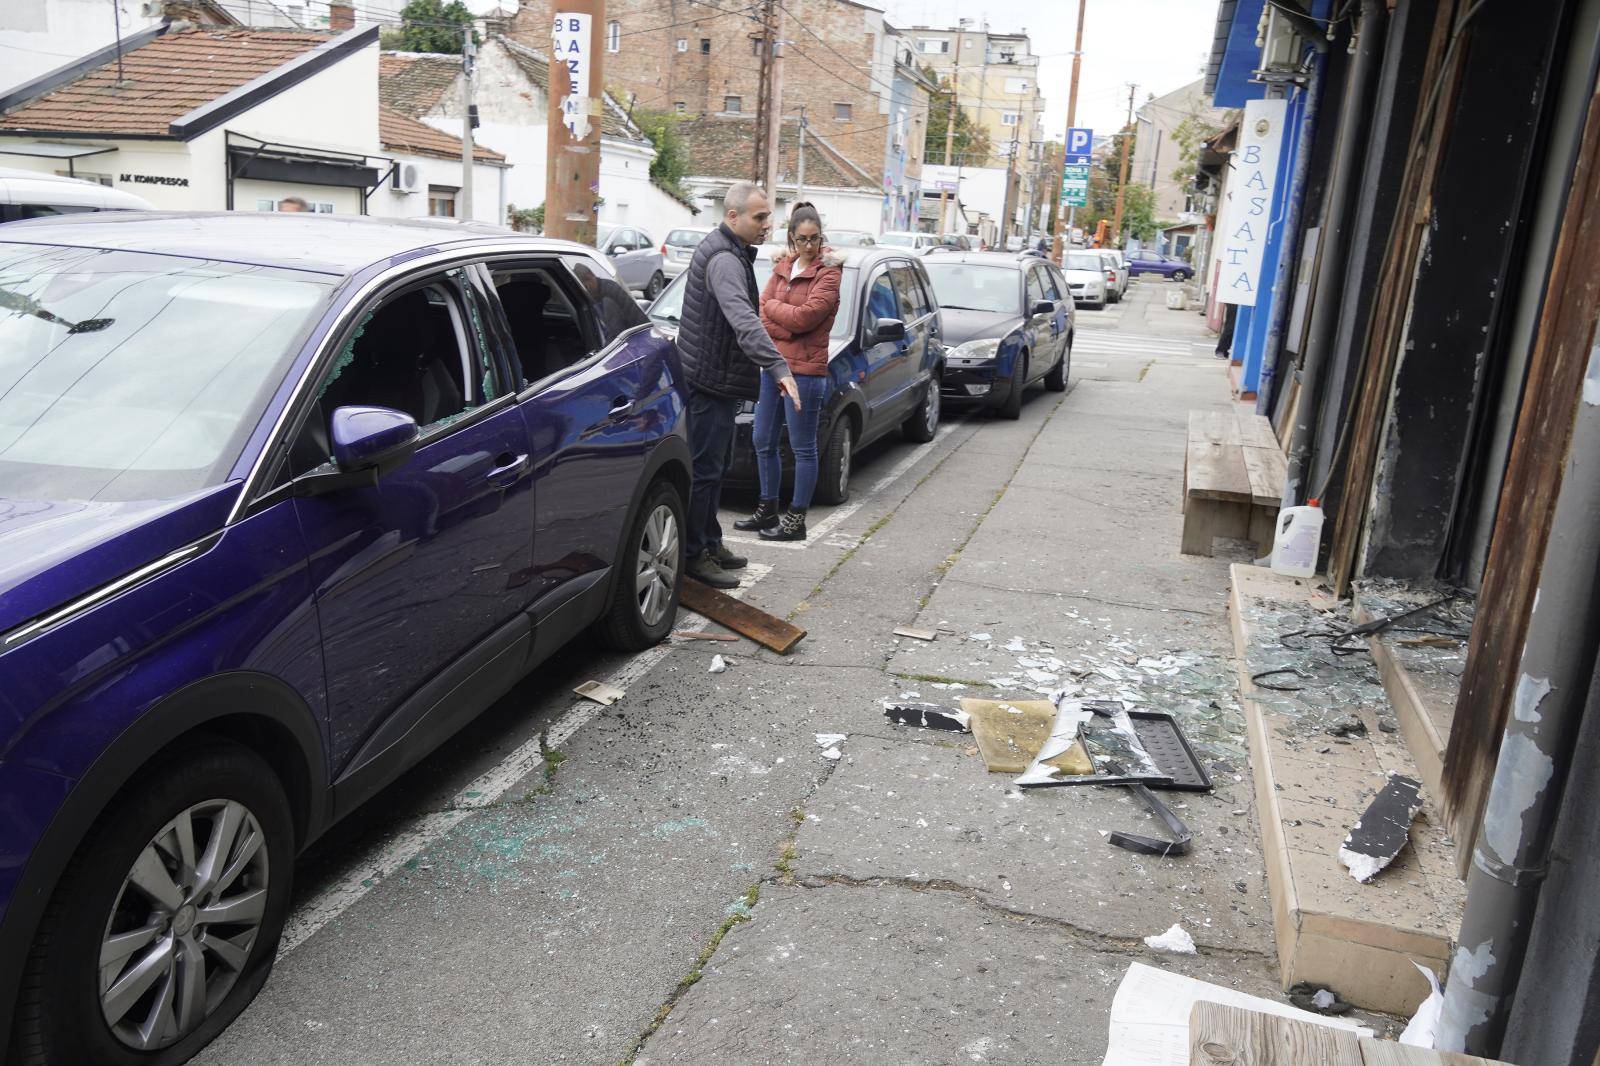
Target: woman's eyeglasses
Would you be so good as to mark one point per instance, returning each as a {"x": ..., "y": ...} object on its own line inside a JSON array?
[{"x": 809, "y": 240}]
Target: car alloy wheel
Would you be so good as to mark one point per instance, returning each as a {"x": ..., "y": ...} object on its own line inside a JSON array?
[
  {"x": 930, "y": 409},
  {"x": 657, "y": 573},
  {"x": 183, "y": 924}
]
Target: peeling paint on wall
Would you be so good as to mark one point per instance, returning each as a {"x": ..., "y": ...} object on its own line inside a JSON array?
[
  {"x": 1520, "y": 777},
  {"x": 1531, "y": 692}
]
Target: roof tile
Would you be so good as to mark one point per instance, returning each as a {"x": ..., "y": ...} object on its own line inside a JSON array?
[
  {"x": 401, "y": 133},
  {"x": 162, "y": 81}
]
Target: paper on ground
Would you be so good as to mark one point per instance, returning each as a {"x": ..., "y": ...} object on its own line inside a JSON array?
[
  {"x": 1150, "y": 1016},
  {"x": 1420, "y": 1031}
]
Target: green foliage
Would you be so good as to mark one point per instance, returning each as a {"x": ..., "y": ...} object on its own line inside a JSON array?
[
  {"x": 529, "y": 219},
  {"x": 970, "y": 145},
  {"x": 671, "y": 164},
  {"x": 434, "y": 26},
  {"x": 1190, "y": 135},
  {"x": 1139, "y": 212}
]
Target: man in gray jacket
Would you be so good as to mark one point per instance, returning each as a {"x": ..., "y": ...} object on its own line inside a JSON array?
[{"x": 724, "y": 349}]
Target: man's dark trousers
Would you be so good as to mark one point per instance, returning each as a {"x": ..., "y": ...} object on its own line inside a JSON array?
[{"x": 711, "y": 445}]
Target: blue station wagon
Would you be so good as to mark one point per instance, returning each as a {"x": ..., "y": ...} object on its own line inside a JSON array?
[
  {"x": 284, "y": 501},
  {"x": 885, "y": 360}
]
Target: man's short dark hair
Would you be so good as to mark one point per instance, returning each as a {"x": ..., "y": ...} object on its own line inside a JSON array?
[{"x": 295, "y": 203}]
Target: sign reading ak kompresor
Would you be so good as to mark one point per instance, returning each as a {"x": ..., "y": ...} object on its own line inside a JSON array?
[{"x": 152, "y": 179}]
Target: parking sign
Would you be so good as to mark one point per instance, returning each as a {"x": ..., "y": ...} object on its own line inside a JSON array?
[
  {"x": 1080, "y": 142},
  {"x": 1075, "y": 185}
]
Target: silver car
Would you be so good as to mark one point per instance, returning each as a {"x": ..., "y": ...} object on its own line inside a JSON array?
[
  {"x": 679, "y": 248},
  {"x": 640, "y": 264}
]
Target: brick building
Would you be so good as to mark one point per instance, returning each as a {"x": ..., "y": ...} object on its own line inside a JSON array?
[{"x": 700, "y": 60}]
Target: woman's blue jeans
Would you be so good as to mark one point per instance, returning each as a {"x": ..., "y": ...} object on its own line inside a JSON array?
[{"x": 773, "y": 410}]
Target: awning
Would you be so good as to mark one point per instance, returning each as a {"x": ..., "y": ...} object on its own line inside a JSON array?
[
  {"x": 293, "y": 164},
  {"x": 49, "y": 150}
]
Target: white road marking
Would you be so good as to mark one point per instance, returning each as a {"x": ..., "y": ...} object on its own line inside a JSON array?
[
  {"x": 369, "y": 867},
  {"x": 839, "y": 514}
]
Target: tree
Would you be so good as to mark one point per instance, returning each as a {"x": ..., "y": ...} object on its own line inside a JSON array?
[
  {"x": 1191, "y": 135},
  {"x": 671, "y": 164},
  {"x": 970, "y": 146},
  {"x": 434, "y": 26}
]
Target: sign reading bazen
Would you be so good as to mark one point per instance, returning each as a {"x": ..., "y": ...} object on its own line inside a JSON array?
[
  {"x": 570, "y": 49},
  {"x": 1247, "y": 216},
  {"x": 151, "y": 179}
]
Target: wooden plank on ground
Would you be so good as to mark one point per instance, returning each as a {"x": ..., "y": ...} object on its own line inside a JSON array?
[
  {"x": 1220, "y": 1035},
  {"x": 1216, "y": 472},
  {"x": 753, "y": 622},
  {"x": 1388, "y": 1053},
  {"x": 1267, "y": 470}
]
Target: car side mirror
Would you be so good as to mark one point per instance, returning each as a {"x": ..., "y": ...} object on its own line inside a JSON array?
[
  {"x": 615, "y": 249},
  {"x": 1043, "y": 307},
  {"x": 888, "y": 330},
  {"x": 378, "y": 439}
]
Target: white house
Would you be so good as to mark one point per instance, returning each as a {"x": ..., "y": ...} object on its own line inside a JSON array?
[
  {"x": 510, "y": 91},
  {"x": 233, "y": 119},
  {"x": 981, "y": 190}
]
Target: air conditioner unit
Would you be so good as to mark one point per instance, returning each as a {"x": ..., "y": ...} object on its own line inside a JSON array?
[{"x": 407, "y": 178}]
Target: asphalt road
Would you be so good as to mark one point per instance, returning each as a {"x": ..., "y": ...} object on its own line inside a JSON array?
[{"x": 684, "y": 877}]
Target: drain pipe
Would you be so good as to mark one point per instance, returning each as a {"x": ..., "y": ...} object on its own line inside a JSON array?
[
  {"x": 1557, "y": 667},
  {"x": 1334, "y": 243}
]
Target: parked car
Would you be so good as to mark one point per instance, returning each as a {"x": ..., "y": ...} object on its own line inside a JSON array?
[
  {"x": 639, "y": 263},
  {"x": 886, "y": 356},
  {"x": 1086, "y": 278},
  {"x": 33, "y": 194},
  {"x": 1008, "y": 323},
  {"x": 678, "y": 249},
  {"x": 1145, "y": 261},
  {"x": 959, "y": 241},
  {"x": 286, "y": 500},
  {"x": 1116, "y": 274},
  {"x": 917, "y": 242},
  {"x": 850, "y": 238}
]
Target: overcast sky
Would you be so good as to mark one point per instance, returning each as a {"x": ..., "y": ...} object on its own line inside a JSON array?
[{"x": 1159, "y": 45}]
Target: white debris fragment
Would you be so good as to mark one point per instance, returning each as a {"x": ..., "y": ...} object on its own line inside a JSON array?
[
  {"x": 980, "y": 636},
  {"x": 1042, "y": 677},
  {"x": 718, "y": 665},
  {"x": 1015, "y": 645},
  {"x": 829, "y": 740},
  {"x": 1362, "y": 867},
  {"x": 911, "y": 695},
  {"x": 1324, "y": 999},
  {"x": 1175, "y": 940},
  {"x": 833, "y": 755}
]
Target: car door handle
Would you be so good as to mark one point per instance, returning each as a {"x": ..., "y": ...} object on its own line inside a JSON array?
[
  {"x": 621, "y": 408},
  {"x": 507, "y": 469}
]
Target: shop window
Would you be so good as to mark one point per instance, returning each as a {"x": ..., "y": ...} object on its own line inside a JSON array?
[{"x": 442, "y": 201}]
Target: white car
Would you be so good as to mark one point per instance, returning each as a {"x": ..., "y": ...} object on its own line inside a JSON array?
[
  {"x": 35, "y": 194},
  {"x": 678, "y": 249},
  {"x": 1086, "y": 279},
  {"x": 920, "y": 242},
  {"x": 1116, "y": 273}
]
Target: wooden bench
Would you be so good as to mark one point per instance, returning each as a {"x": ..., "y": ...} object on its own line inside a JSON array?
[
  {"x": 1221, "y": 1035},
  {"x": 1233, "y": 475}
]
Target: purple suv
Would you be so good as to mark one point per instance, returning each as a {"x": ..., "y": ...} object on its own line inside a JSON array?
[
  {"x": 1168, "y": 266},
  {"x": 285, "y": 500}
]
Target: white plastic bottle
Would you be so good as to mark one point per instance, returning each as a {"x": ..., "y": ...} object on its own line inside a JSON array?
[{"x": 1294, "y": 549}]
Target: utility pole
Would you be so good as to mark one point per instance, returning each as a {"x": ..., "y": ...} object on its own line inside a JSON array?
[
  {"x": 572, "y": 176},
  {"x": 1058, "y": 246},
  {"x": 764, "y": 94},
  {"x": 1008, "y": 213},
  {"x": 774, "y": 127},
  {"x": 800, "y": 160},
  {"x": 469, "y": 119},
  {"x": 950, "y": 127},
  {"x": 1122, "y": 181}
]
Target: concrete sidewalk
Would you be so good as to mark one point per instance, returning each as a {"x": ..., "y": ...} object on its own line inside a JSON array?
[{"x": 929, "y": 912}]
